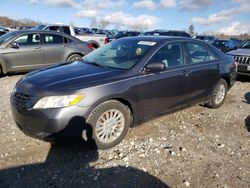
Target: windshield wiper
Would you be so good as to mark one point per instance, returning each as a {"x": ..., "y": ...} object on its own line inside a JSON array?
[{"x": 94, "y": 63}]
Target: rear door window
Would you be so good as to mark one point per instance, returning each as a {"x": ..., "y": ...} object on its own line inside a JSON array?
[
  {"x": 53, "y": 39},
  {"x": 198, "y": 53}
]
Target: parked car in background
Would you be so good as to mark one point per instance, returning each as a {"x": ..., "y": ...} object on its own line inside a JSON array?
[
  {"x": 220, "y": 44},
  {"x": 233, "y": 44},
  {"x": 96, "y": 40},
  {"x": 82, "y": 30},
  {"x": 167, "y": 33},
  {"x": 122, "y": 34},
  {"x": 3, "y": 30},
  {"x": 205, "y": 38},
  {"x": 33, "y": 49},
  {"x": 117, "y": 86},
  {"x": 242, "y": 57},
  {"x": 39, "y": 27}
]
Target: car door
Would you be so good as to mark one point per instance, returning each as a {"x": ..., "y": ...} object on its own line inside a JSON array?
[
  {"x": 54, "y": 48},
  {"x": 27, "y": 55},
  {"x": 205, "y": 71},
  {"x": 166, "y": 90}
]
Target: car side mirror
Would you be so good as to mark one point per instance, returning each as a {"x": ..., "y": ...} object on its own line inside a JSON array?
[
  {"x": 155, "y": 67},
  {"x": 14, "y": 45}
]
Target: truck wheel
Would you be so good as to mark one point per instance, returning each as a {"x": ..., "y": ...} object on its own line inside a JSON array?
[
  {"x": 218, "y": 95},
  {"x": 110, "y": 122},
  {"x": 74, "y": 57}
]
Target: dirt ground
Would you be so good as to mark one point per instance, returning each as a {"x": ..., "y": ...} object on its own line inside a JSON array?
[{"x": 195, "y": 147}]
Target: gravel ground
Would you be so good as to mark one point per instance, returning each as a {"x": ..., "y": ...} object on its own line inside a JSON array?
[{"x": 195, "y": 147}]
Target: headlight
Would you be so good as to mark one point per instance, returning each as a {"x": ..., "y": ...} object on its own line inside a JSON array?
[{"x": 58, "y": 101}]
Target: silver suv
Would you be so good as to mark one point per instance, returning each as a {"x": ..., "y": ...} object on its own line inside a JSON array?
[{"x": 242, "y": 56}]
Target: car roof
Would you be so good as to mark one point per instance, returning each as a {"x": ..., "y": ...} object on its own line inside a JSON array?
[
  {"x": 159, "y": 38},
  {"x": 20, "y": 32},
  {"x": 39, "y": 31}
]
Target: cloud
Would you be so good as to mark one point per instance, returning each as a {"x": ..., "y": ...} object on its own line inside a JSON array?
[
  {"x": 86, "y": 14},
  {"x": 149, "y": 4},
  {"x": 167, "y": 3},
  {"x": 145, "y": 4},
  {"x": 194, "y": 4},
  {"x": 241, "y": 1},
  {"x": 120, "y": 18},
  {"x": 221, "y": 16},
  {"x": 105, "y": 11},
  {"x": 101, "y": 5},
  {"x": 236, "y": 28},
  {"x": 70, "y": 3}
]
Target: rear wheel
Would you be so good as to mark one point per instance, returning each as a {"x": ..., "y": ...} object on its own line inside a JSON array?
[
  {"x": 74, "y": 57},
  {"x": 110, "y": 122},
  {"x": 219, "y": 94},
  {"x": 1, "y": 71}
]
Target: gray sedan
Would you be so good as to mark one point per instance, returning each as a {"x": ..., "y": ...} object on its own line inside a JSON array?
[{"x": 28, "y": 50}]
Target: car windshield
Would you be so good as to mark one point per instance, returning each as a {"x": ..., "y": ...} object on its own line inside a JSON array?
[
  {"x": 6, "y": 37},
  {"x": 246, "y": 45},
  {"x": 120, "y": 54}
]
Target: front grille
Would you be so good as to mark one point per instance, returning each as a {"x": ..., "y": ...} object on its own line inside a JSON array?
[
  {"x": 242, "y": 60},
  {"x": 20, "y": 99}
]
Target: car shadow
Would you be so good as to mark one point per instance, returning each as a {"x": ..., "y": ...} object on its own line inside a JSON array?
[
  {"x": 247, "y": 97},
  {"x": 73, "y": 165},
  {"x": 247, "y": 123},
  {"x": 243, "y": 78}
]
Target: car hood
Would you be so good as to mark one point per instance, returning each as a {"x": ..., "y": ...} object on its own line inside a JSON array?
[
  {"x": 240, "y": 51},
  {"x": 66, "y": 78}
]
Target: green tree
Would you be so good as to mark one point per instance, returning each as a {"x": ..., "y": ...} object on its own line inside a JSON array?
[{"x": 191, "y": 29}]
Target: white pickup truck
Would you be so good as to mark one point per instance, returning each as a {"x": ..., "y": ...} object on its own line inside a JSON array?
[{"x": 97, "y": 40}]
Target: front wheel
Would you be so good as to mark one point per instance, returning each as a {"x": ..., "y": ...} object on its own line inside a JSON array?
[
  {"x": 218, "y": 95},
  {"x": 110, "y": 122}
]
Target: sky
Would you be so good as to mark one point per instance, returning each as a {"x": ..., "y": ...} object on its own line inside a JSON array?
[{"x": 230, "y": 17}]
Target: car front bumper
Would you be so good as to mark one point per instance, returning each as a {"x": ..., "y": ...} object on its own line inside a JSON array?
[
  {"x": 46, "y": 124},
  {"x": 244, "y": 69}
]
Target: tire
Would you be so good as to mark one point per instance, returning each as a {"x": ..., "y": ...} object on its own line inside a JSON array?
[
  {"x": 218, "y": 95},
  {"x": 74, "y": 57},
  {"x": 99, "y": 121},
  {"x": 1, "y": 71}
]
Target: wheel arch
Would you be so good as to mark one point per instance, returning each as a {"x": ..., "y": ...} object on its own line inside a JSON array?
[
  {"x": 73, "y": 53},
  {"x": 227, "y": 79},
  {"x": 3, "y": 68},
  {"x": 124, "y": 101}
]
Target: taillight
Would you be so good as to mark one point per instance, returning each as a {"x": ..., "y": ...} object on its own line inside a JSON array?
[
  {"x": 106, "y": 40},
  {"x": 90, "y": 46}
]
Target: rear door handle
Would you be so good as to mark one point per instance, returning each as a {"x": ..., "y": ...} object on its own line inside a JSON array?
[
  {"x": 186, "y": 73},
  {"x": 37, "y": 48}
]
